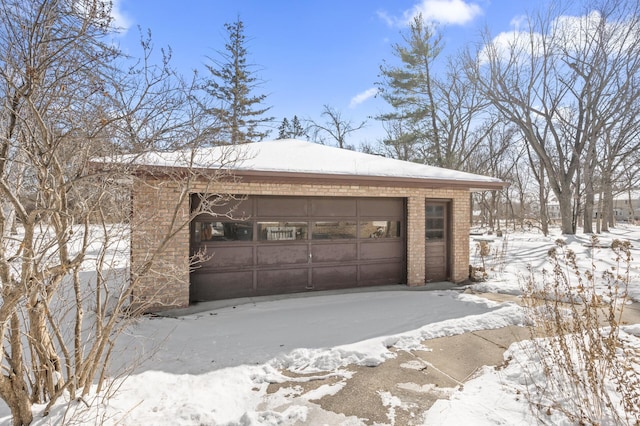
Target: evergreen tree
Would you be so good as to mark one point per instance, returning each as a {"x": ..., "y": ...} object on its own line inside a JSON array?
[
  {"x": 283, "y": 130},
  {"x": 238, "y": 111},
  {"x": 409, "y": 90},
  {"x": 292, "y": 130},
  {"x": 297, "y": 131}
]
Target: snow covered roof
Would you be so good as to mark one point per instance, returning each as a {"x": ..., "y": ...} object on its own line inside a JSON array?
[{"x": 293, "y": 156}]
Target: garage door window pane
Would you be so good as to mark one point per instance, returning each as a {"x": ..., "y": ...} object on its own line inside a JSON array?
[
  {"x": 380, "y": 229},
  {"x": 223, "y": 231},
  {"x": 282, "y": 231},
  {"x": 334, "y": 230}
]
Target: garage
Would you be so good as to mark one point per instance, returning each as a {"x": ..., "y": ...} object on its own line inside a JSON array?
[
  {"x": 291, "y": 216},
  {"x": 262, "y": 245}
]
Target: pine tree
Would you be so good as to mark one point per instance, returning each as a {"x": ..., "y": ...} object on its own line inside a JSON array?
[
  {"x": 297, "y": 131},
  {"x": 238, "y": 111},
  {"x": 409, "y": 90},
  {"x": 292, "y": 130},
  {"x": 283, "y": 130}
]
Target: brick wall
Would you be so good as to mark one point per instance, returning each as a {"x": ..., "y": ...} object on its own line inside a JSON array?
[
  {"x": 160, "y": 245},
  {"x": 155, "y": 215},
  {"x": 461, "y": 209}
]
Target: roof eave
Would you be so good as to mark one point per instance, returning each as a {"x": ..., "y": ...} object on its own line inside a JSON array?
[
  {"x": 383, "y": 181},
  {"x": 328, "y": 178}
]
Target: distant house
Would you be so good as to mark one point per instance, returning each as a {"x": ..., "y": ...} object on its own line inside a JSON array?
[
  {"x": 310, "y": 217},
  {"x": 626, "y": 206},
  {"x": 553, "y": 212}
]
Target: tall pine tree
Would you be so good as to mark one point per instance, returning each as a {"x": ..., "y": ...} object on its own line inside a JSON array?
[
  {"x": 240, "y": 113},
  {"x": 409, "y": 90}
]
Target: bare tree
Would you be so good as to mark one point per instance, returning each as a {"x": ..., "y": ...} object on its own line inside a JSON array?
[
  {"x": 520, "y": 187},
  {"x": 619, "y": 143},
  {"x": 335, "y": 128},
  {"x": 492, "y": 160},
  {"x": 69, "y": 97},
  {"x": 538, "y": 172},
  {"x": 558, "y": 80}
]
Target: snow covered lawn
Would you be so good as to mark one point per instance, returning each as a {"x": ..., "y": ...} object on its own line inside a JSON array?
[{"x": 214, "y": 367}]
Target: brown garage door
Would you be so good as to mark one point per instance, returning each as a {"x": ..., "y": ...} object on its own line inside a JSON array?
[{"x": 279, "y": 245}]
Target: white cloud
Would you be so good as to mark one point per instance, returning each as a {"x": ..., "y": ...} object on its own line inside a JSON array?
[
  {"x": 120, "y": 21},
  {"x": 455, "y": 12},
  {"x": 363, "y": 96},
  {"x": 444, "y": 12},
  {"x": 512, "y": 44},
  {"x": 389, "y": 20},
  {"x": 576, "y": 32},
  {"x": 572, "y": 34},
  {"x": 519, "y": 21}
]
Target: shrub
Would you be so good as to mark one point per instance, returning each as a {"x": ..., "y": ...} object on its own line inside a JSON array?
[{"x": 588, "y": 372}]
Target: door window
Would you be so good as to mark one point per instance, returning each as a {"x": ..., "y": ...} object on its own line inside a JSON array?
[{"x": 435, "y": 222}]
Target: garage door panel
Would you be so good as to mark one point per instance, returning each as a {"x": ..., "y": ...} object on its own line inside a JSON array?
[
  {"x": 278, "y": 254},
  {"x": 224, "y": 285},
  {"x": 334, "y": 252},
  {"x": 334, "y": 277},
  {"x": 333, "y": 207},
  {"x": 229, "y": 257},
  {"x": 381, "y": 250},
  {"x": 282, "y": 207},
  {"x": 282, "y": 281},
  {"x": 381, "y": 207}
]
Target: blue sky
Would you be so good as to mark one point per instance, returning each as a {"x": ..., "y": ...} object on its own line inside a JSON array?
[{"x": 311, "y": 53}]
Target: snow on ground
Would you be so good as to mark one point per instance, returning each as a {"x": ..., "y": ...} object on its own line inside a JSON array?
[
  {"x": 510, "y": 256},
  {"x": 213, "y": 367},
  {"x": 256, "y": 333}
]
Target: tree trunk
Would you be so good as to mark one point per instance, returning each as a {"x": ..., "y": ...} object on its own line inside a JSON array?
[
  {"x": 606, "y": 203},
  {"x": 48, "y": 373},
  {"x": 567, "y": 221},
  {"x": 495, "y": 201},
  {"x": 599, "y": 214},
  {"x": 523, "y": 209},
  {"x": 589, "y": 198},
  {"x": 13, "y": 388},
  {"x": 588, "y": 210},
  {"x": 610, "y": 210},
  {"x": 14, "y": 393},
  {"x": 544, "y": 214}
]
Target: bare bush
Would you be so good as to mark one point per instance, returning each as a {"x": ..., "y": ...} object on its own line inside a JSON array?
[
  {"x": 588, "y": 373},
  {"x": 68, "y": 97},
  {"x": 488, "y": 259}
]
